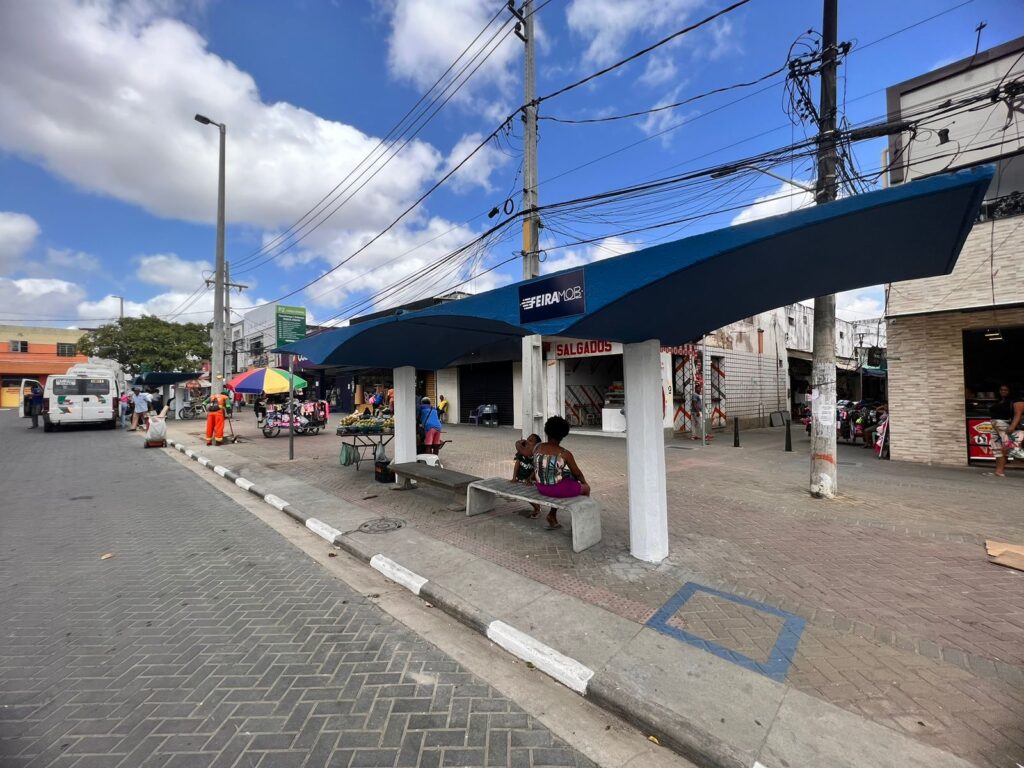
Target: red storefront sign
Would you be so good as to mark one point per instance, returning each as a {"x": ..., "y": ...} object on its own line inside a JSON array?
[
  {"x": 979, "y": 439},
  {"x": 586, "y": 349}
]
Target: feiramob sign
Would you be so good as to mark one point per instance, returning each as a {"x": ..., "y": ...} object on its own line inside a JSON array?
[{"x": 555, "y": 296}]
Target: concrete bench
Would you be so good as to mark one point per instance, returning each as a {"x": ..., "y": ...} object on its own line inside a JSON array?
[
  {"x": 585, "y": 511},
  {"x": 446, "y": 479}
]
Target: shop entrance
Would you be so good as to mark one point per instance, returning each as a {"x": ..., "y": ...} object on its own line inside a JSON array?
[
  {"x": 991, "y": 358},
  {"x": 486, "y": 384},
  {"x": 594, "y": 394}
]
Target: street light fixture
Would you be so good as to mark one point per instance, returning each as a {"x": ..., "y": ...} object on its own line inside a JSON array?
[
  {"x": 217, "y": 356},
  {"x": 733, "y": 168}
]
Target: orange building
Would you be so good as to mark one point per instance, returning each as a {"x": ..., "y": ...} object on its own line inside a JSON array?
[{"x": 34, "y": 353}]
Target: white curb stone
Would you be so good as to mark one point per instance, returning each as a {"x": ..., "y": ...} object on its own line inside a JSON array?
[
  {"x": 565, "y": 670},
  {"x": 397, "y": 573}
]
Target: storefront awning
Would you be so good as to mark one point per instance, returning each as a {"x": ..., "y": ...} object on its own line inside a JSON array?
[{"x": 678, "y": 291}]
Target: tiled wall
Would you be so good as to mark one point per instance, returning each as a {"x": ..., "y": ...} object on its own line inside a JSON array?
[
  {"x": 992, "y": 247},
  {"x": 926, "y": 382}
]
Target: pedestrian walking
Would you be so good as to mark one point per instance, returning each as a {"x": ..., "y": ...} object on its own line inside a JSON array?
[
  {"x": 35, "y": 405},
  {"x": 124, "y": 408},
  {"x": 1007, "y": 416},
  {"x": 442, "y": 409}
]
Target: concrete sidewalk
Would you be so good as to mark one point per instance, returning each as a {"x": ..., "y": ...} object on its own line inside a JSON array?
[{"x": 687, "y": 643}]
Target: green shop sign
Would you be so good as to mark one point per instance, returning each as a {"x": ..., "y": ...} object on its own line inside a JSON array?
[{"x": 291, "y": 324}]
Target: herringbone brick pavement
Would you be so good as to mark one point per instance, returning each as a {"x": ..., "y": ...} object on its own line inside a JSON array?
[
  {"x": 907, "y": 622},
  {"x": 206, "y": 639}
]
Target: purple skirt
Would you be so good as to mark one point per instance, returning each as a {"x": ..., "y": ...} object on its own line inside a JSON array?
[{"x": 565, "y": 488}]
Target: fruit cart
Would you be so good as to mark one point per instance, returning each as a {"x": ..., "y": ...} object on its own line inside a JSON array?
[{"x": 365, "y": 436}]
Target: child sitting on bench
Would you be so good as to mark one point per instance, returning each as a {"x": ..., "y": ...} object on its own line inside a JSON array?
[{"x": 522, "y": 469}]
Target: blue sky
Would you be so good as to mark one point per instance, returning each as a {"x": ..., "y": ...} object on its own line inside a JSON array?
[{"x": 108, "y": 186}]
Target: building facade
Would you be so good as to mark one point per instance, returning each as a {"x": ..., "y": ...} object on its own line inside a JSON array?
[
  {"x": 253, "y": 337},
  {"x": 34, "y": 353},
  {"x": 954, "y": 339}
]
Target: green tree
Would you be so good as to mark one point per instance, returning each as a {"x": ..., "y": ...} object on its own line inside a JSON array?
[{"x": 149, "y": 343}]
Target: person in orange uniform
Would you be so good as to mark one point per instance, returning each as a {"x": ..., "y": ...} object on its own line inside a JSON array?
[{"x": 215, "y": 418}]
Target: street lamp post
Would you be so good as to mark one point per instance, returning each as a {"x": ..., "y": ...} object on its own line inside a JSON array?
[{"x": 217, "y": 357}]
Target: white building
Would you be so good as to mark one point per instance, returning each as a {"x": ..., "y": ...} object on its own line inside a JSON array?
[{"x": 254, "y": 335}]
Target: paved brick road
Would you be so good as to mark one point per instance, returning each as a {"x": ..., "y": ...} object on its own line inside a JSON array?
[
  {"x": 206, "y": 640},
  {"x": 907, "y": 622}
]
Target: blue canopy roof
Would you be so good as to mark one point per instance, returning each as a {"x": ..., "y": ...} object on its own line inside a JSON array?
[{"x": 677, "y": 291}]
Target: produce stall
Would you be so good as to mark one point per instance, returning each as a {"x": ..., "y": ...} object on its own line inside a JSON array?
[{"x": 363, "y": 437}]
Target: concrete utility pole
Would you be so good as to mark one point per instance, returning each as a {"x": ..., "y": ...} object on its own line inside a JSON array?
[
  {"x": 823, "y": 375},
  {"x": 217, "y": 363},
  {"x": 121, "y": 299},
  {"x": 228, "y": 285},
  {"x": 533, "y": 374},
  {"x": 531, "y": 221}
]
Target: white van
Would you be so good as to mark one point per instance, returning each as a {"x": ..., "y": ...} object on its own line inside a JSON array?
[{"x": 84, "y": 395}]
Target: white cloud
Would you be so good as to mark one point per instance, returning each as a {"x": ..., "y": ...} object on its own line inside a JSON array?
[
  {"x": 607, "y": 25},
  {"x": 787, "y": 198},
  {"x": 63, "y": 259},
  {"x": 427, "y": 36},
  {"x": 660, "y": 69},
  {"x": 576, "y": 257},
  {"x": 18, "y": 232},
  {"x": 723, "y": 39},
  {"x": 477, "y": 171},
  {"x": 176, "y": 305},
  {"x": 105, "y": 99},
  {"x": 658, "y": 123},
  {"x": 861, "y": 303},
  {"x": 171, "y": 271},
  {"x": 401, "y": 253},
  {"x": 29, "y": 298}
]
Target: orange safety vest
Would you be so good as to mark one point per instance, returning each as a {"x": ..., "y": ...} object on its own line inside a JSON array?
[{"x": 220, "y": 400}]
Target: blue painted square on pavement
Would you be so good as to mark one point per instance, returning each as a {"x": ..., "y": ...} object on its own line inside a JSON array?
[{"x": 781, "y": 655}]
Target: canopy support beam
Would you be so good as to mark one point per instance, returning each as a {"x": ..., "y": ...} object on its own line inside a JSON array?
[
  {"x": 405, "y": 414},
  {"x": 645, "y": 451}
]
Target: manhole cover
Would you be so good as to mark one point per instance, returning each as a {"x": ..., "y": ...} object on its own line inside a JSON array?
[{"x": 381, "y": 525}]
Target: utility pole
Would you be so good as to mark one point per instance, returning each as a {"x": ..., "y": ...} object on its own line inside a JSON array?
[
  {"x": 121, "y": 299},
  {"x": 217, "y": 363},
  {"x": 228, "y": 285},
  {"x": 533, "y": 371},
  {"x": 531, "y": 221},
  {"x": 823, "y": 405}
]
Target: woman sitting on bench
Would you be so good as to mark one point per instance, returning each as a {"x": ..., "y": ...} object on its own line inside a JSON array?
[{"x": 558, "y": 476}]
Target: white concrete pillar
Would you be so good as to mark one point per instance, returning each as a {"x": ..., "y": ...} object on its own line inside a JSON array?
[
  {"x": 556, "y": 388},
  {"x": 405, "y": 414},
  {"x": 645, "y": 452},
  {"x": 532, "y": 400}
]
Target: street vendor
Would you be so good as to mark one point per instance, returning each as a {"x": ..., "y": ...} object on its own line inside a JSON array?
[{"x": 431, "y": 424}]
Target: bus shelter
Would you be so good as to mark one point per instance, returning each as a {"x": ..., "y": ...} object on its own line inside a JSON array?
[{"x": 668, "y": 295}]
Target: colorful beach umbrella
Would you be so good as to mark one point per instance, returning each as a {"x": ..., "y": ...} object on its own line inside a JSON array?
[{"x": 269, "y": 381}]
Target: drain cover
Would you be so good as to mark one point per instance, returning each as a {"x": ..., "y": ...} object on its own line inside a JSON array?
[{"x": 381, "y": 525}]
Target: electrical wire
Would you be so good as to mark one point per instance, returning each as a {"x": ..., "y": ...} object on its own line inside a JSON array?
[{"x": 662, "y": 108}]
